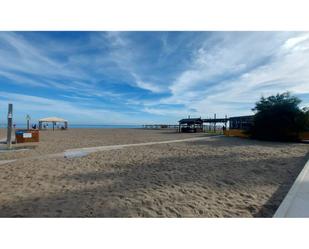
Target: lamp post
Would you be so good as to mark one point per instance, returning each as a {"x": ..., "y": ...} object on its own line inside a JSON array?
[
  {"x": 9, "y": 128},
  {"x": 28, "y": 118}
]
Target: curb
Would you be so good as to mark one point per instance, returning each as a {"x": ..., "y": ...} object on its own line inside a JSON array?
[{"x": 296, "y": 202}]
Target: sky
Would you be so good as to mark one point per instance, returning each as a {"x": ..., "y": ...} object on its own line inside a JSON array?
[{"x": 147, "y": 77}]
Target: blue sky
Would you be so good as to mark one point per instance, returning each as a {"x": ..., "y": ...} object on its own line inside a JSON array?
[{"x": 147, "y": 77}]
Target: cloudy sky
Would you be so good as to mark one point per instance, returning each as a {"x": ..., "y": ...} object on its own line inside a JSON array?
[{"x": 147, "y": 77}]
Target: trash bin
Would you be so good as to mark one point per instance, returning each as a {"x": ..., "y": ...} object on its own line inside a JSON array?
[{"x": 27, "y": 136}]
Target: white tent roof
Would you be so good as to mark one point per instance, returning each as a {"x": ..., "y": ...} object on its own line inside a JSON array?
[{"x": 52, "y": 119}]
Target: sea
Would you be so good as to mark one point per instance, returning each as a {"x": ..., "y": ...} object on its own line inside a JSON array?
[{"x": 23, "y": 126}]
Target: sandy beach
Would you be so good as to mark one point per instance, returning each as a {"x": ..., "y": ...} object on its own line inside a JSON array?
[
  {"x": 58, "y": 141},
  {"x": 215, "y": 177}
]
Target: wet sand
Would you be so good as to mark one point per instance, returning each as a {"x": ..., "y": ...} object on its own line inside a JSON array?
[{"x": 217, "y": 177}]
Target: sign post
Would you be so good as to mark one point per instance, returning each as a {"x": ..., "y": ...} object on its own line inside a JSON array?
[
  {"x": 9, "y": 128},
  {"x": 28, "y": 118}
]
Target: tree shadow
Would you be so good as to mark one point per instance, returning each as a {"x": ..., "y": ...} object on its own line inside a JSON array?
[
  {"x": 166, "y": 187},
  {"x": 222, "y": 141},
  {"x": 273, "y": 203}
]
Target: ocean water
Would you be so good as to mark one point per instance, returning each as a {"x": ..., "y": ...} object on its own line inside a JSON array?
[
  {"x": 104, "y": 126},
  {"x": 72, "y": 126}
]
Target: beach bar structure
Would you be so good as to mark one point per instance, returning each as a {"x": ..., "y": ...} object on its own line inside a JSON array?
[
  {"x": 214, "y": 121},
  {"x": 237, "y": 125},
  {"x": 54, "y": 121},
  {"x": 197, "y": 124},
  {"x": 241, "y": 122},
  {"x": 190, "y": 125}
]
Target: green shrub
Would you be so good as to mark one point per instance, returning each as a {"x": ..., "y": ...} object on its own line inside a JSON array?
[{"x": 279, "y": 118}]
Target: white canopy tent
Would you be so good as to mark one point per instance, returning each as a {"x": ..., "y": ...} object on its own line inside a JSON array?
[{"x": 54, "y": 121}]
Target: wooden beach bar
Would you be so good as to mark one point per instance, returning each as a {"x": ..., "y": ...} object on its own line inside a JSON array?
[
  {"x": 233, "y": 126},
  {"x": 190, "y": 125}
]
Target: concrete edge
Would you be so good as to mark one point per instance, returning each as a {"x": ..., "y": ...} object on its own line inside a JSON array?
[
  {"x": 287, "y": 202},
  {"x": 6, "y": 161},
  {"x": 81, "y": 152}
]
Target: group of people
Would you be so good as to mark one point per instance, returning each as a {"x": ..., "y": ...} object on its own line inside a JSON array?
[{"x": 45, "y": 126}]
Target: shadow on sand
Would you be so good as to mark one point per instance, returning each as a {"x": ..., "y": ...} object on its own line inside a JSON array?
[
  {"x": 139, "y": 190},
  {"x": 273, "y": 203},
  {"x": 220, "y": 141}
]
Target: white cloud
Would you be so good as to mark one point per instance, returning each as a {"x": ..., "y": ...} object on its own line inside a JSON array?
[
  {"x": 175, "y": 113},
  {"x": 21, "y": 80},
  {"x": 148, "y": 86},
  {"x": 25, "y": 64},
  {"x": 226, "y": 72},
  {"x": 205, "y": 88},
  {"x": 38, "y": 107},
  {"x": 20, "y": 55},
  {"x": 292, "y": 42},
  {"x": 122, "y": 54}
]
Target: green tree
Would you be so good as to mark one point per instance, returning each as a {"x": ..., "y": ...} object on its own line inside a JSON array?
[{"x": 279, "y": 118}]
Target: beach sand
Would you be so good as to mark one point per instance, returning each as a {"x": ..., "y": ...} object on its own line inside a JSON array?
[
  {"x": 59, "y": 141},
  {"x": 217, "y": 177}
]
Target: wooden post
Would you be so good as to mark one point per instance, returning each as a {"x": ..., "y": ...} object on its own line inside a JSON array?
[
  {"x": 215, "y": 123},
  {"x": 9, "y": 128}
]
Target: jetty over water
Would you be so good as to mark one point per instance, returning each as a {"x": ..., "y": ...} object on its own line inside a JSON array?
[
  {"x": 160, "y": 126},
  {"x": 206, "y": 124}
]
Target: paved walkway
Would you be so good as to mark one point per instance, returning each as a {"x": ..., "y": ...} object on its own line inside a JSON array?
[
  {"x": 81, "y": 152},
  {"x": 296, "y": 202},
  {"x": 3, "y": 140},
  {"x": 6, "y": 161},
  {"x": 85, "y": 151}
]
